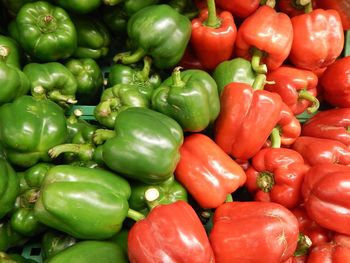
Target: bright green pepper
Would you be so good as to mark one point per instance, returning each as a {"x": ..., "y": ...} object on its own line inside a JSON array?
[
  {"x": 89, "y": 77},
  {"x": 37, "y": 124},
  {"x": 158, "y": 31},
  {"x": 53, "y": 81},
  {"x": 10, "y": 238},
  {"x": 45, "y": 31},
  {"x": 54, "y": 242},
  {"x": 79, "y": 6},
  {"x": 190, "y": 97},
  {"x": 10, "y": 51}
]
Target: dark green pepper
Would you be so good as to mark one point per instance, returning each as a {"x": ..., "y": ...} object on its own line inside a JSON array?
[
  {"x": 121, "y": 239},
  {"x": 79, "y": 6},
  {"x": 115, "y": 18},
  {"x": 132, "y": 6},
  {"x": 54, "y": 242},
  {"x": 10, "y": 51},
  {"x": 190, "y": 97},
  {"x": 10, "y": 238},
  {"x": 14, "y": 258}
]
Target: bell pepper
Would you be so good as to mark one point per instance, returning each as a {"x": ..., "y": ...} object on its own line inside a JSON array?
[
  {"x": 90, "y": 251},
  {"x": 239, "y": 8},
  {"x": 295, "y": 7},
  {"x": 326, "y": 195},
  {"x": 213, "y": 36},
  {"x": 330, "y": 124},
  {"x": 115, "y": 18},
  {"x": 39, "y": 125},
  {"x": 142, "y": 195},
  {"x": 53, "y": 242},
  {"x": 207, "y": 172},
  {"x": 266, "y": 35},
  {"x": 190, "y": 97},
  {"x": 318, "y": 150},
  {"x": 335, "y": 83},
  {"x": 14, "y": 258},
  {"x": 247, "y": 230},
  {"x": 10, "y": 51},
  {"x": 53, "y": 81},
  {"x": 318, "y": 39},
  {"x": 93, "y": 37},
  {"x": 170, "y": 233},
  {"x": 276, "y": 175},
  {"x": 89, "y": 79},
  {"x": 132, "y": 6},
  {"x": 10, "y": 238},
  {"x": 168, "y": 34},
  {"x": 121, "y": 239},
  {"x": 189, "y": 60},
  {"x": 45, "y": 31},
  {"x": 13, "y": 6},
  {"x": 342, "y": 6},
  {"x": 79, "y": 6},
  {"x": 296, "y": 87}
]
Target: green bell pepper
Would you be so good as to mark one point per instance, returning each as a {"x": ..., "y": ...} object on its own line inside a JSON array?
[
  {"x": 133, "y": 6},
  {"x": 10, "y": 51},
  {"x": 45, "y": 31},
  {"x": 93, "y": 37},
  {"x": 10, "y": 238},
  {"x": 89, "y": 77},
  {"x": 53, "y": 81},
  {"x": 121, "y": 239},
  {"x": 190, "y": 97},
  {"x": 54, "y": 242},
  {"x": 37, "y": 124},
  {"x": 14, "y": 258},
  {"x": 90, "y": 252},
  {"x": 158, "y": 31},
  {"x": 13, "y": 6},
  {"x": 79, "y": 6},
  {"x": 234, "y": 70},
  {"x": 116, "y": 19}
]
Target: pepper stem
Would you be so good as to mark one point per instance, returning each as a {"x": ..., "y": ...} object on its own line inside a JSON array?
[
  {"x": 176, "y": 77},
  {"x": 4, "y": 52},
  {"x": 302, "y": 2},
  {"x": 265, "y": 181},
  {"x": 256, "y": 59},
  {"x": 56, "y": 95},
  {"x": 304, "y": 243},
  {"x": 129, "y": 58},
  {"x": 134, "y": 215},
  {"x": 259, "y": 82},
  {"x": 228, "y": 198},
  {"x": 212, "y": 20},
  {"x": 85, "y": 152},
  {"x": 308, "y": 8},
  {"x": 144, "y": 73},
  {"x": 270, "y": 3},
  {"x": 151, "y": 196},
  {"x": 304, "y": 94},
  {"x": 275, "y": 138},
  {"x": 102, "y": 135}
]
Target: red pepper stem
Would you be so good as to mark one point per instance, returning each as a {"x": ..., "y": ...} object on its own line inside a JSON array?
[
  {"x": 144, "y": 74},
  {"x": 265, "y": 181},
  {"x": 275, "y": 138},
  {"x": 308, "y": 8},
  {"x": 304, "y": 94},
  {"x": 84, "y": 151},
  {"x": 256, "y": 59},
  {"x": 302, "y": 2},
  {"x": 129, "y": 58},
  {"x": 212, "y": 20},
  {"x": 176, "y": 77},
  {"x": 134, "y": 215},
  {"x": 304, "y": 243},
  {"x": 270, "y": 3},
  {"x": 228, "y": 198},
  {"x": 102, "y": 135},
  {"x": 259, "y": 82}
]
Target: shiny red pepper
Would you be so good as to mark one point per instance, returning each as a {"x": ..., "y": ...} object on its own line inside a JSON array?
[
  {"x": 318, "y": 39},
  {"x": 342, "y": 6},
  {"x": 253, "y": 232},
  {"x": 296, "y": 87},
  {"x": 319, "y": 151},
  {"x": 326, "y": 192},
  {"x": 207, "y": 172},
  {"x": 335, "y": 83},
  {"x": 276, "y": 175},
  {"x": 288, "y": 126},
  {"x": 170, "y": 233},
  {"x": 265, "y": 31},
  {"x": 213, "y": 36},
  {"x": 240, "y": 8}
]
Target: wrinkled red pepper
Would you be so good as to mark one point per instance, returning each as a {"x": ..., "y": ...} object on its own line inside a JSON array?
[
  {"x": 268, "y": 32},
  {"x": 207, "y": 172},
  {"x": 240, "y": 8},
  {"x": 326, "y": 193},
  {"x": 276, "y": 175},
  {"x": 318, "y": 39},
  {"x": 253, "y": 232},
  {"x": 342, "y": 6},
  {"x": 296, "y": 87},
  {"x": 170, "y": 233}
]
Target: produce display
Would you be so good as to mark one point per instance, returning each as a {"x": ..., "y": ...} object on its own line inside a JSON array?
[{"x": 175, "y": 131}]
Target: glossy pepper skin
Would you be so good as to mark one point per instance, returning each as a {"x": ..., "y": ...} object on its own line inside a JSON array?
[
  {"x": 54, "y": 241},
  {"x": 45, "y": 31},
  {"x": 318, "y": 39},
  {"x": 248, "y": 230},
  {"x": 296, "y": 87},
  {"x": 168, "y": 34},
  {"x": 268, "y": 31},
  {"x": 79, "y": 6},
  {"x": 10, "y": 51},
  {"x": 40, "y": 125},
  {"x": 326, "y": 195},
  {"x": 238, "y": 130},
  {"x": 335, "y": 83},
  {"x": 207, "y": 172},
  {"x": 341, "y": 6},
  {"x": 318, "y": 150},
  {"x": 241, "y": 8},
  {"x": 190, "y": 97},
  {"x": 96, "y": 213},
  {"x": 170, "y": 233},
  {"x": 276, "y": 175}
]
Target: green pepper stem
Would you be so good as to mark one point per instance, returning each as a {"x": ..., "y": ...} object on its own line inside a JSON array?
[
  {"x": 308, "y": 8},
  {"x": 4, "y": 52},
  {"x": 134, "y": 215},
  {"x": 265, "y": 181},
  {"x": 212, "y": 20},
  {"x": 304, "y": 94},
  {"x": 256, "y": 59},
  {"x": 275, "y": 138},
  {"x": 228, "y": 198},
  {"x": 84, "y": 151},
  {"x": 151, "y": 196},
  {"x": 304, "y": 243},
  {"x": 259, "y": 82},
  {"x": 129, "y": 58},
  {"x": 176, "y": 77},
  {"x": 302, "y": 2},
  {"x": 102, "y": 135},
  {"x": 144, "y": 73},
  {"x": 56, "y": 95},
  {"x": 270, "y": 3}
]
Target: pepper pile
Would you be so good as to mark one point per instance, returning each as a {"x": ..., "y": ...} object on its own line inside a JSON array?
[{"x": 220, "y": 131}]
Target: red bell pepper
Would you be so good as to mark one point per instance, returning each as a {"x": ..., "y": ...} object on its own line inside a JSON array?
[
  {"x": 213, "y": 36},
  {"x": 297, "y": 259},
  {"x": 295, "y": 7},
  {"x": 170, "y": 233},
  {"x": 318, "y": 151},
  {"x": 267, "y": 35},
  {"x": 326, "y": 193},
  {"x": 207, "y": 172},
  {"x": 240, "y": 8},
  {"x": 342, "y": 6},
  {"x": 189, "y": 60},
  {"x": 331, "y": 124},
  {"x": 253, "y": 232},
  {"x": 276, "y": 175},
  {"x": 335, "y": 83},
  {"x": 296, "y": 87},
  {"x": 318, "y": 39}
]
